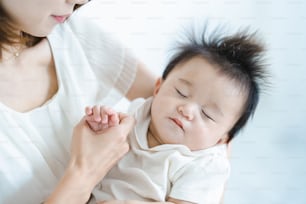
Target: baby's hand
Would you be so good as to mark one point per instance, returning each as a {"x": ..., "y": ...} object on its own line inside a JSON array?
[{"x": 100, "y": 118}]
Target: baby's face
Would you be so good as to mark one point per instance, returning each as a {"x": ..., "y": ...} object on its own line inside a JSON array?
[{"x": 195, "y": 106}]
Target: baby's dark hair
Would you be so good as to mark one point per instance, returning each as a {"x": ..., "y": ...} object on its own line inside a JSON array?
[{"x": 238, "y": 56}]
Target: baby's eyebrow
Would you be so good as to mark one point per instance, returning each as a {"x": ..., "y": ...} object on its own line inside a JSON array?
[
  {"x": 188, "y": 83},
  {"x": 217, "y": 110}
]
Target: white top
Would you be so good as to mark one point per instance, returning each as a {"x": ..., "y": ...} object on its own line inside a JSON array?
[
  {"x": 153, "y": 174},
  {"x": 34, "y": 146}
]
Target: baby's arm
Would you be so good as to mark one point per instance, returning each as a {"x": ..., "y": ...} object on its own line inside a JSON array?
[{"x": 100, "y": 118}]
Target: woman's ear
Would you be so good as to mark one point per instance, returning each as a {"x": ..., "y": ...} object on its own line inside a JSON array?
[{"x": 157, "y": 86}]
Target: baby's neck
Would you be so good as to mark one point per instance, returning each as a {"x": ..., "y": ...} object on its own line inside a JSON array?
[{"x": 152, "y": 141}]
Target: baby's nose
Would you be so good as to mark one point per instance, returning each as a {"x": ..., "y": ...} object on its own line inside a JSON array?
[{"x": 187, "y": 111}]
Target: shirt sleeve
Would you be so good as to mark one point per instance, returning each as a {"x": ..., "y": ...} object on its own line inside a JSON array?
[
  {"x": 201, "y": 181},
  {"x": 112, "y": 63}
]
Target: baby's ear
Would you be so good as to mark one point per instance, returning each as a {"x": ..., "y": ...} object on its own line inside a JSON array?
[{"x": 158, "y": 83}]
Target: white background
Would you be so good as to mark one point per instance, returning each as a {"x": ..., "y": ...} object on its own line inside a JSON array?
[{"x": 269, "y": 156}]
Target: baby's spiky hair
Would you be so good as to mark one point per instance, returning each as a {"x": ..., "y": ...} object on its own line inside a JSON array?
[{"x": 239, "y": 56}]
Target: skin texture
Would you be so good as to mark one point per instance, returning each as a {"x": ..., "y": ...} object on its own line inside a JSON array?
[
  {"x": 38, "y": 22},
  {"x": 34, "y": 69},
  {"x": 100, "y": 119},
  {"x": 195, "y": 106},
  {"x": 89, "y": 163},
  {"x": 30, "y": 80}
]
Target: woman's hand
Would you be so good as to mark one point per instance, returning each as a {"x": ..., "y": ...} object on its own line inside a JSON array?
[
  {"x": 95, "y": 153},
  {"x": 92, "y": 155}
]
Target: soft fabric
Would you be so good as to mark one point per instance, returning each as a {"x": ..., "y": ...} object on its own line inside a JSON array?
[
  {"x": 170, "y": 170},
  {"x": 91, "y": 69}
]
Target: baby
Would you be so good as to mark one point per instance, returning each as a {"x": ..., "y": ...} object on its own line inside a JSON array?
[{"x": 207, "y": 93}]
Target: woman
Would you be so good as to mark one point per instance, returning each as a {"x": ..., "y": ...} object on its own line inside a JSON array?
[{"x": 52, "y": 64}]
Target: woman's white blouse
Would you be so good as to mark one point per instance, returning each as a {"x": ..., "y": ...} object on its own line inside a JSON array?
[{"x": 91, "y": 69}]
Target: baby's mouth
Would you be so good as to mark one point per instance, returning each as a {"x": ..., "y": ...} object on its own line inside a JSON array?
[{"x": 177, "y": 122}]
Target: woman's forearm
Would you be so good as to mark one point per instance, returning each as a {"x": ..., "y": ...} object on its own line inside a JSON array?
[
  {"x": 92, "y": 155},
  {"x": 74, "y": 187},
  {"x": 143, "y": 85}
]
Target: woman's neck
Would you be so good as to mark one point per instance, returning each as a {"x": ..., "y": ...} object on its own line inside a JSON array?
[
  {"x": 11, "y": 53},
  {"x": 30, "y": 80}
]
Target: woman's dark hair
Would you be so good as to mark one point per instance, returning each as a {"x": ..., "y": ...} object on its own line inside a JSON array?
[{"x": 238, "y": 56}]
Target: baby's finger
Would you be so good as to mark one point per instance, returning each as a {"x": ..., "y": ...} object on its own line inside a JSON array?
[
  {"x": 109, "y": 110},
  {"x": 104, "y": 113},
  {"x": 88, "y": 110},
  {"x": 114, "y": 120},
  {"x": 96, "y": 113}
]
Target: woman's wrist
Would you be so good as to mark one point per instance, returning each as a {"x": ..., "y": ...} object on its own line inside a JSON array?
[
  {"x": 74, "y": 187},
  {"x": 92, "y": 156}
]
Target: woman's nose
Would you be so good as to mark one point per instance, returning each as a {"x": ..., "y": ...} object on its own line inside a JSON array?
[{"x": 187, "y": 111}]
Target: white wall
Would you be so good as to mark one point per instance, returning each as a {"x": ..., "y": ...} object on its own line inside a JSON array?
[{"x": 269, "y": 157}]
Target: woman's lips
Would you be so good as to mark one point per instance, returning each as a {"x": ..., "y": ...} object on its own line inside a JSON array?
[{"x": 60, "y": 19}]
